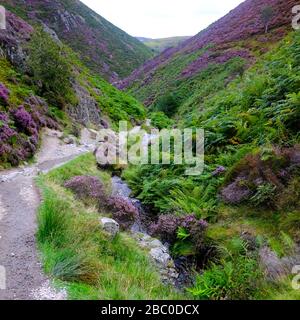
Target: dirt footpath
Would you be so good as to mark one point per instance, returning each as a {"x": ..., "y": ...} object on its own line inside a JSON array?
[{"x": 19, "y": 201}]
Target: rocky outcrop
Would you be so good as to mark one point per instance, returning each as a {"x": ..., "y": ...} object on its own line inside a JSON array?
[
  {"x": 95, "y": 39},
  {"x": 275, "y": 267},
  {"x": 160, "y": 255},
  {"x": 13, "y": 38},
  {"x": 87, "y": 110}
]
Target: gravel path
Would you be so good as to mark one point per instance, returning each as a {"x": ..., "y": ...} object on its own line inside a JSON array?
[{"x": 19, "y": 201}]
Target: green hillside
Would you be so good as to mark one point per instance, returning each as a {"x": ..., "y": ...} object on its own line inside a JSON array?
[
  {"x": 159, "y": 45},
  {"x": 102, "y": 47}
]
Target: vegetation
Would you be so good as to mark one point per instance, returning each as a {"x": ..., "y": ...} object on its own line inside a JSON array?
[
  {"x": 76, "y": 251},
  {"x": 103, "y": 47},
  {"x": 251, "y": 132},
  {"x": 51, "y": 69},
  {"x": 159, "y": 45},
  {"x": 46, "y": 95}
]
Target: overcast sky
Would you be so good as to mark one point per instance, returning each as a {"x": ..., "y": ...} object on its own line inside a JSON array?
[{"x": 162, "y": 18}]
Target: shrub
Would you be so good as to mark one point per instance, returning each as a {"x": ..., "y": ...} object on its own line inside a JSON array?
[
  {"x": 191, "y": 238},
  {"x": 174, "y": 229},
  {"x": 5, "y": 131},
  {"x": 124, "y": 211},
  {"x": 24, "y": 121},
  {"x": 264, "y": 194},
  {"x": 290, "y": 196},
  {"x": 196, "y": 228},
  {"x": 291, "y": 223},
  {"x": 168, "y": 104},
  {"x": 50, "y": 68},
  {"x": 160, "y": 120},
  {"x": 166, "y": 228},
  {"x": 260, "y": 177},
  {"x": 236, "y": 279},
  {"x": 87, "y": 188},
  {"x": 4, "y": 94}
]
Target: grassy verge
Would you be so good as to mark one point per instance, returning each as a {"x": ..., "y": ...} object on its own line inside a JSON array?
[{"x": 79, "y": 256}]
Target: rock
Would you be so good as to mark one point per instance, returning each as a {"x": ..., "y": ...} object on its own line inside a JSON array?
[
  {"x": 110, "y": 226},
  {"x": 276, "y": 267},
  {"x": 155, "y": 244},
  {"x": 161, "y": 256},
  {"x": 271, "y": 263},
  {"x": 69, "y": 140},
  {"x": 51, "y": 33},
  {"x": 14, "y": 39},
  {"x": 87, "y": 110},
  {"x": 104, "y": 124}
]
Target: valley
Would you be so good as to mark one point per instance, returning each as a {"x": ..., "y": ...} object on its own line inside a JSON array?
[{"x": 75, "y": 227}]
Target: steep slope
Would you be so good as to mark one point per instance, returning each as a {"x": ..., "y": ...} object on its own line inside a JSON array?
[
  {"x": 227, "y": 48},
  {"x": 103, "y": 47},
  {"x": 43, "y": 84},
  {"x": 241, "y": 85},
  {"x": 248, "y": 193},
  {"x": 159, "y": 45}
]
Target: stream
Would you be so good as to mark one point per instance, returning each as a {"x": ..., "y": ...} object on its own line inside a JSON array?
[{"x": 172, "y": 272}]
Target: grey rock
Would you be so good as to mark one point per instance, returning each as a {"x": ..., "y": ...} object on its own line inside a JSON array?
[
  {"x": 155, "y": 244},
  {"x": 52, "y": 33},
  {"x": 69, "y": 140},
  {"x": 161, "y": 256},
  {"x": 275, "y": 267},
  {"x": 87, "y": 110},
  {"x": 110, "y": 226}
]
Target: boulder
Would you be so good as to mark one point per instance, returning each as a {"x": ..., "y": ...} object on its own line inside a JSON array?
[
  {"x": 69, "y": 140},
  {"x": 161, "y": 256},
  {"x": 110, "y": 226},
  {"x": 275, "y": 267}
]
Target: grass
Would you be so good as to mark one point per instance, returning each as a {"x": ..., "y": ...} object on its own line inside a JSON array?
[{"x": 79, "y": 256}]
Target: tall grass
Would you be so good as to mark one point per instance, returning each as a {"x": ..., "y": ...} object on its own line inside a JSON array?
[{"x": 77, "y": 253}]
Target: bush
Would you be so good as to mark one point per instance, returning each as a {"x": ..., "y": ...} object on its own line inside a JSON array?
[
  {"x": 166, "y": 228},
  {"x": 264, "y": 194},
  {"x": 168, "y": 104},
  {"x": 160, "y": 120},
  {"x": 51, "y": 70},
  {"x": 4, "y": 94},
  {"x": 87, "y": 188},
  {"x": 24, "y": 121},
  {"x": 236, "y": 279},
  {"x": 262, "y": 177},
  {"x": 124, "y": 211}
]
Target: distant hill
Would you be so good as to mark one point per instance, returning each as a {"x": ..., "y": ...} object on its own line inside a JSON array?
[
  {"x": 232, "y": 43},
  {"x": 102, "y": 46},
  {"x": 159, "y": 45}
]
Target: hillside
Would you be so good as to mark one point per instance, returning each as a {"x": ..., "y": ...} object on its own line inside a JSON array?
[
  {"x": 44, "y": 84},
  {"x": 229, "y": 46},
  {"x": 159, "y": 45},
  {"x": 241, "y": 85},
  {"x": 149, "y": 231},
  {"x": 102, "y": 47}
]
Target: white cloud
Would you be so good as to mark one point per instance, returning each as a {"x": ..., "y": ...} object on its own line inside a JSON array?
[{"x": 162, "y": 18}]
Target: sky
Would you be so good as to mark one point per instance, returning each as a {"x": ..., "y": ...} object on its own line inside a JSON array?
[{"x": 162, "y": 18}]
